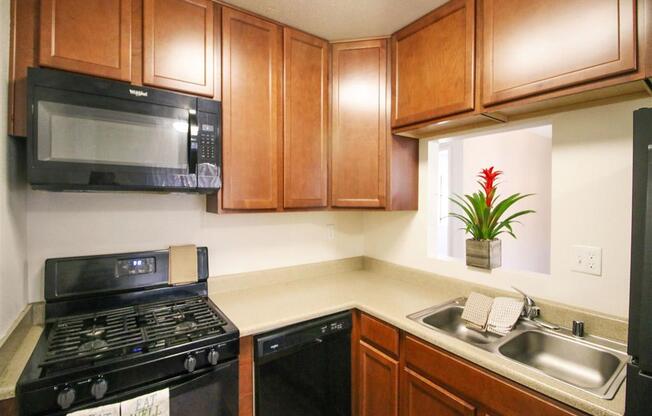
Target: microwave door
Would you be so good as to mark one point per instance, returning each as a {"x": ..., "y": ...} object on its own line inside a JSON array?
[{"x": 85, "y": 141}]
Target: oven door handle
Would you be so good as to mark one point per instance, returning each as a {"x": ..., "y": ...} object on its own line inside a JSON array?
[{"x": 193, "y": 132}]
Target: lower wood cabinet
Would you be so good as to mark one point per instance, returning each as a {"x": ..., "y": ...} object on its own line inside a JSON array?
[
  {"x": 246, "y": 377},
  {"x": 8, "y": 407},
  {"x": 378, "y": 382},
  {"x": 463, "y": 387},
  {"x": 423, "y": 397},
  {"x": 419, "y": 379}
]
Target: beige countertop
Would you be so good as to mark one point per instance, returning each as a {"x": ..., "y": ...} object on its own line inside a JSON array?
[
  {"x": 258, "y": 308},
  {"x": 261, "y": 301},
  {"x": 16, "y": 350}
]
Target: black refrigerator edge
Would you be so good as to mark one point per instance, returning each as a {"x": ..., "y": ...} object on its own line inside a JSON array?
[{"x": 639, "y": 345}]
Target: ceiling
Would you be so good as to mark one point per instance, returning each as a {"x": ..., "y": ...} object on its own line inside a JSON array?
[{"x": 342, "y": 19}]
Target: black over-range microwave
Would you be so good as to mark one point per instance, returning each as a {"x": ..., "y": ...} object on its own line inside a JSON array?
[{"x": 87, "y": 133}]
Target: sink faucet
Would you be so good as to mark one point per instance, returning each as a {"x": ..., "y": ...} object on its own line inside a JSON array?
[{"x": 531, "y": 312}]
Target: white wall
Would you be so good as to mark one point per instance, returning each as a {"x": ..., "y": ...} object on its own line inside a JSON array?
[
  {"x": 68, "y": 224},
  {"x": 591, "y": 205},
  {"x": 13, "y": 293}
]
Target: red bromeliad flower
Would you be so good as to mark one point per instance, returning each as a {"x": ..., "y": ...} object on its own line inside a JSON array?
[
  {"x": 480, "y": 217},
  {"x": 488, "y": 183}
]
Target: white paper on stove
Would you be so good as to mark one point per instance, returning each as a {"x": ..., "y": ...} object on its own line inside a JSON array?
[
  {"x": 152, "y": 404},
  {"x": 108, "y": 410}
]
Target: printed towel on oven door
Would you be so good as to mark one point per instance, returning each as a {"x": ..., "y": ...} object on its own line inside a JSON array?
[
  {"x": 108, "y": 410},
  {"x": 152, "y": 404}
]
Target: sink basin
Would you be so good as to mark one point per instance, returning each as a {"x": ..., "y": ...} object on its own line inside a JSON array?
[
  {"x": 449, "y": 319},
  {"x": 595, "y": 365},
  {"x": 563, "y": 358}
]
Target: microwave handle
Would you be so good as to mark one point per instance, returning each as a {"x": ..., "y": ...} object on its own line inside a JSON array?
[{"x": 192, "y": 141}]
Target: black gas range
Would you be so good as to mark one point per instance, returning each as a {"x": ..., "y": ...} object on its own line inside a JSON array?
[{"x": 116, "y": 330}]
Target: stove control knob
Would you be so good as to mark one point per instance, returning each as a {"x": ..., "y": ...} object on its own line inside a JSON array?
[
  {"x": 66, "y": 397},
  {"x": 190, "y": 363},
  {"x": 213, "y": 356},
  {"x": 99, "y": 388}
]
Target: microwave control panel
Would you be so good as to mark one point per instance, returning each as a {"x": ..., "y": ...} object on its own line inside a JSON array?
[{"x": 207, "y": 140}]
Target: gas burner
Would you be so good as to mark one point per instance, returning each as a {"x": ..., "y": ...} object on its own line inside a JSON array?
[
  {"x": 95, "y": 332},
  {"x": 83, "y": 340},
  {"x": 185, "y": 326},
  {"x": 94, "y": 345}
]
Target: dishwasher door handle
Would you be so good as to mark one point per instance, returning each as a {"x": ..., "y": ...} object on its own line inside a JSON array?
[
  {"x": 302, "y": 346},
  {"x": 273, "y": 356}
]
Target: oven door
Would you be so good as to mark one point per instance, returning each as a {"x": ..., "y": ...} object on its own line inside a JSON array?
[
  {"x": 212, "y": 393},
  {"x": 85, "y": 141}
]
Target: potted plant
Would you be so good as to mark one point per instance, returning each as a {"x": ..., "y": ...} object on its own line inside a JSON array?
[{"x": 482, "y": 215}]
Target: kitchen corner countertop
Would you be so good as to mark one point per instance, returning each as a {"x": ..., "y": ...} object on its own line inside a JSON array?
[
  {"x": 16, "y": 361},
  {"x": 261, "y": 308}
]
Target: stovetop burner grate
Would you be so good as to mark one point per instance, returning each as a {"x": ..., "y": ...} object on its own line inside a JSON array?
[{"x": 85, "y": 339}]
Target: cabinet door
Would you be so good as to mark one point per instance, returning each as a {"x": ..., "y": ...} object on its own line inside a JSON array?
[
  {"x": 8, "y": 407},
  {"x": 251, "y": 68},
  {"x": 87, "y": 36},
  {"x": 433, "y": 64},
  {"x": 420, "y": 396},
  {"x": 360, "y": 129},
  {"x": 378, "y": 384},
  {"x": 178, "y": 45},
  {"x": 540, "y": 45},
  {"x": 305, "y": 112}
]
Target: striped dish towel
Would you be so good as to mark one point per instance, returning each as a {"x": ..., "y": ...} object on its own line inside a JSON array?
[
  {"x": 504, "y": 314},
  {"x": 476, "y": 311}
]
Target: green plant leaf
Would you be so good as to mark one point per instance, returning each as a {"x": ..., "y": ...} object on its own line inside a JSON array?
[
  {"x": 507, "y": 222},
  {"x": 483, "y": 222}
]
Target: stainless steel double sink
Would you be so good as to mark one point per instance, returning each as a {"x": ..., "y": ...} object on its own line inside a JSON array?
[{"x": 595, "y": 365}]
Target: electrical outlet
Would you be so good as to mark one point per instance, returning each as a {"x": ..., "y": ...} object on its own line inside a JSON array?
[
  {"x": 330, "y": 231},
  {"x": 587, "y": 259}
]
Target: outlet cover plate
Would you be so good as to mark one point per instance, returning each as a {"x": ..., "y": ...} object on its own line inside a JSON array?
[
  {"x": 330, "y": 231},
  {"x": 587, "y": 259}
]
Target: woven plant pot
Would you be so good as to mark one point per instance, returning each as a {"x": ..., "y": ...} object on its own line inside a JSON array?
[{"x": 484, "y": 254}]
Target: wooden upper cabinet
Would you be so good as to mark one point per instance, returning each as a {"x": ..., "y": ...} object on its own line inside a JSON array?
[
  {"x": 305, "y": 127},
  {"x": 251, "y": 109},
  {"x": 433, "y": 65},
  {"x": 421, "y": 396},
  {"x": 378, "y": 384},
  {"x": 540, "y": 45},
  {"x": 359, "y": 122},
  {"x": 87, "y": 36},
  {"x": 178, "y": 51}
]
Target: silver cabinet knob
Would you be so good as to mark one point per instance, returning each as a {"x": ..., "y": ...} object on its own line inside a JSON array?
[
  {"x": 213, "y": 356},
  {"x": 66, "y": 397},
  {"x": 190, "y": 363},
  {"x": 99, "y": 388}
]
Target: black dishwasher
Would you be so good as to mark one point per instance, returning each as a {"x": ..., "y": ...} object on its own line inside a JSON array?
[{"x": 305, "y": 369}]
